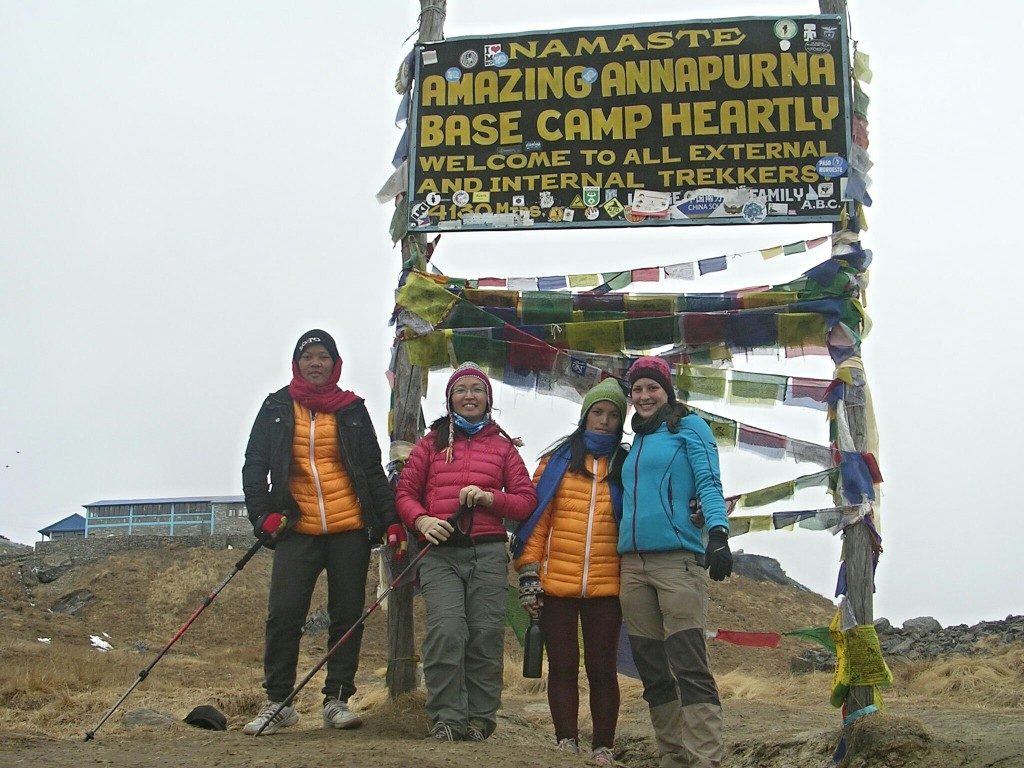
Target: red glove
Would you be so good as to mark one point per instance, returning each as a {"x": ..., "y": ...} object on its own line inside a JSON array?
[
  {"x": 273, "y": 523},
  {"x": 398, "y": 541}
]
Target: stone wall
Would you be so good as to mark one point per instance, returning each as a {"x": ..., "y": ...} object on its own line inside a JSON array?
[
  {"x": 231, "y": 518},
  {"x": 93, "y": 547}
]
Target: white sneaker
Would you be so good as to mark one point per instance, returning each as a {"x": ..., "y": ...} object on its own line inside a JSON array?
[
  {"x": 602, "y": 756},
  {"x": 287, "y": 716},
  {"x": 568, "y": 745},
  {"x": 338, "y": 715}
]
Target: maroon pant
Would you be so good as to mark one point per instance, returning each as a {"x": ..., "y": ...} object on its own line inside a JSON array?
[{"x": 601, "y": 618}]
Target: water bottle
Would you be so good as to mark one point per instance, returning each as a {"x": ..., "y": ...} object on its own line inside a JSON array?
[{"x": 533, "y": 649}]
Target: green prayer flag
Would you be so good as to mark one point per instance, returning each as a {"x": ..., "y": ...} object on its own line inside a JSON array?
[
  {"x": 546, "y": 307},
  {"x": 641, "y": 303},
  {"x": 860, "y": 100},
  {"x": 616, "y": 281},
  {"x": 816, "y": 479},
  {"x": 820, "y": 635},
  {"x": 794, "y": 247},
  {"x": 650, "y": 332},
  {"x": 488, "y": 353},
  {"x": 466, "y": 315},
  {"x": 763, "y": 388},
  {"x": 399, "y": 220},
  {"x": 588, "y": 315},
  {"x": 701, "y": 381}
]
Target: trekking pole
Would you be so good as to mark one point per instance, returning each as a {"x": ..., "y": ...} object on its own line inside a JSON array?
[
  {"x": 89, "y": 735},
  {"x": 359, "y": 622}
]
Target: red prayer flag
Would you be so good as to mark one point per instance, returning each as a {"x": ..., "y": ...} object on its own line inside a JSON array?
[
  {"x": 872, "y": 465},
  {"x": 761, "y": 437},
  {"x": 701, "y": 328},
  {"x": 492, "y": 282},
  {"x": 750, "y": 639},
  {"x": 646, "y": 275},
  {"x": 815, "y": 389},
  {"x": 526, "y": 352}
]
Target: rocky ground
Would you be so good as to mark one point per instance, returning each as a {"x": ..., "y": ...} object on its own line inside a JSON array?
[
  {"x": 926, "y": 638},
  {"x": 960, "y": 706}
]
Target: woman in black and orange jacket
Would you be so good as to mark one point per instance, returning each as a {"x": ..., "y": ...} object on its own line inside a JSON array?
[
  {"x": 569, "y": 568},
  {"x": 314, "y": 484}
]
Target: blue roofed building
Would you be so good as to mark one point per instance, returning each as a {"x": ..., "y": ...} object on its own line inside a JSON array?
[
  {"x": 71, "y": 527},
  {"x": 178, "y": 516}
]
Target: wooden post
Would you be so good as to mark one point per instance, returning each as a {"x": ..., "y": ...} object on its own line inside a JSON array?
[
  {"x": 407, "y": 426},
  {"x": 857, "y": 544}
]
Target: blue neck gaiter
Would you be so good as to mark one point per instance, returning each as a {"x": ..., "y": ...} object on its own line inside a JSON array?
[{"x": 470, "y": 427}]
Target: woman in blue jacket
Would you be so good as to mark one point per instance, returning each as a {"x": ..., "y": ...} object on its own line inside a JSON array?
[{"x": 664, "y": 581}]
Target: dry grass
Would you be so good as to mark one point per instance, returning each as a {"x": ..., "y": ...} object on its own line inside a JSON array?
[
  {"x": 995, "y": 681},
  {"x": 65, "y": 687},
  {"x": 797, "y": 689}
]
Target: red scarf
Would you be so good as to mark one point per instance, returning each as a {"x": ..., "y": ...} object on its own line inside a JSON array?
[{"x": 322, "y": 398}]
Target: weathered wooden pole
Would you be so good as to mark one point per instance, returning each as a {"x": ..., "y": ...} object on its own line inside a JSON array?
[
  {"x": 407, "y": 426},
  {"x": 857, "y": 542}
]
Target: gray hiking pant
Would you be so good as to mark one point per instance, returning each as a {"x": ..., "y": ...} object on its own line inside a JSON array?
[
  {"x": 664, "y": 599},
  {"x": 464, "y": 649}
]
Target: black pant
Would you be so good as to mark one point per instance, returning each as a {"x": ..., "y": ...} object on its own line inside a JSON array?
[{"x": 298, "y": 562}]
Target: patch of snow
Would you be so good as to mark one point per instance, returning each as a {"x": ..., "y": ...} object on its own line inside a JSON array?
[{"x": 99, "y": 643}]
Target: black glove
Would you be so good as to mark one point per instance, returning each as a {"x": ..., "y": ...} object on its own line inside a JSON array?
[{"x": 717, "y": 557}]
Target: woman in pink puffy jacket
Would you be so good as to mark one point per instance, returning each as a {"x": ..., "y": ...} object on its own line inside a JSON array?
[{"x": 466, "y": 459}]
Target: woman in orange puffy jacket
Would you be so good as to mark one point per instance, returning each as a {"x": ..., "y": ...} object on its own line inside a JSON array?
[{"x": 569, "y": 568}]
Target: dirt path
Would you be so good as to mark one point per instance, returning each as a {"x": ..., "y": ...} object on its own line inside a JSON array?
[{"x": 772, "y": 737}]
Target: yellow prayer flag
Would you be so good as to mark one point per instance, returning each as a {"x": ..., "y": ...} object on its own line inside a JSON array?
[
  {"x": 583, "y": 281},
  {"x": 430, "y": 349},
  {"x": 604, "y": 336},
  {"x": 862, "y": 67},
  {"x": 768, "y": 299},
  {"x": 760, "y": 523},
  {"x": 719, "y": 352},
  {"x": 797, "y": 329},
  {"x": 426, "y": 298}
]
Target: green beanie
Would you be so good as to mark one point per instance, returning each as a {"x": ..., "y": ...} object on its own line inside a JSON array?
[{"x": 609, "y": 390}]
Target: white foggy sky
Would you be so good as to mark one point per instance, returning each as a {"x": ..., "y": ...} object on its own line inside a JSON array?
[{"x": 185, "y": 187}]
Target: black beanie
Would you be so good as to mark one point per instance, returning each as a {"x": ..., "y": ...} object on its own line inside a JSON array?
[
  {"x": 316, "y": 336},
  {"x": 208, "y": 718}
]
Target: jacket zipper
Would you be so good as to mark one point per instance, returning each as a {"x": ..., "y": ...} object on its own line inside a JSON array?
[
  {"x": 316, "y": 475},
  {"x": 636, "y": 489},
  {"x": 590, "y": 530}
]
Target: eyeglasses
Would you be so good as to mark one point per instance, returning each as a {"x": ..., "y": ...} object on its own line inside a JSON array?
[{"x": 469, "y": 391}]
